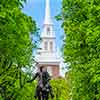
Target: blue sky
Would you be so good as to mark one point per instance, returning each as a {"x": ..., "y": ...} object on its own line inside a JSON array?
[{"x": 36, "y": 9}]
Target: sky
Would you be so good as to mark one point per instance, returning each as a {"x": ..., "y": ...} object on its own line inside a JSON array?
[{"x": 36, "y": 9}]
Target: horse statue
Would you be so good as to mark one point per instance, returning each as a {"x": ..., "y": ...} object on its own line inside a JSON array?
[
  {"x": 43, "y": 94},
  {"x": 43, "y": 88}
]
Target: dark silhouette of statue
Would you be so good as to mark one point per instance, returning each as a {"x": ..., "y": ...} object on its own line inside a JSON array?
[{"x": 43, "y": 88}]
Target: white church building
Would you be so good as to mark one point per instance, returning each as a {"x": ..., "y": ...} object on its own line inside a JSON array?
[{"x": 47, "y": 55}]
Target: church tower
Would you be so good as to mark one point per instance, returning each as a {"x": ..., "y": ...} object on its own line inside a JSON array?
[{"x": 47, "y": 55}]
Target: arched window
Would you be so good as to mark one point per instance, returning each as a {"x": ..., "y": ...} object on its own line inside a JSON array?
[
  {"x": 46, "y": 45},
  {"x": 48, "y": 31},
  {"x": 51, "y": 46}
]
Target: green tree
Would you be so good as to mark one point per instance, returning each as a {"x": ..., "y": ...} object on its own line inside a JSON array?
[
  {"x": 81, "y": 23},
  {"x": 60, "y": 89},
  {"x": 16, "y": 48}
]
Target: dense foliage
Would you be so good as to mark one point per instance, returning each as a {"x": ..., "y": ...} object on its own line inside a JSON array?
[
  {"x": 81, "y": 23},
  {"x": 15, "y": 49},
  {"x": 60, "y": 89}
]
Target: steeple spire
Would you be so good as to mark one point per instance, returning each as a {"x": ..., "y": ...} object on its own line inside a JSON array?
[{"x": 47, "y": 19}]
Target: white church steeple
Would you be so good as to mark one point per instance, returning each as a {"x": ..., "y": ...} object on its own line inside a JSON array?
[
  {"x": 47, "y": 14},
  {"x": 48, "y": 24},
  {"x": 47, "y": 55}
]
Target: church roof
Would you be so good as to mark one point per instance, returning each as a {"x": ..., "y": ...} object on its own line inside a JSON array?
[{"x": 47, "y": 20}]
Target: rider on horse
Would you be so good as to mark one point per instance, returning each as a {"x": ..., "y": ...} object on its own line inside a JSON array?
[{"x": 43, "y": 82}]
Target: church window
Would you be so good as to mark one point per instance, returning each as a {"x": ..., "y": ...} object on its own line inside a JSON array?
[
  {"x": 48, "y": 30},
  {"x": 46, "y": 45},
  {"x": 51, "y": 46}
]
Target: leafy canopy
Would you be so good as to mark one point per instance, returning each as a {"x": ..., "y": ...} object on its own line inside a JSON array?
[
  {"x": 16, "y": 48},
  {"x": 81, "y": 23}
]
